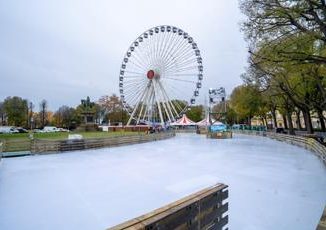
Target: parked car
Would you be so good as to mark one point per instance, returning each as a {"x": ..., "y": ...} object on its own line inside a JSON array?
[
  {"x": 8, "y": 129},
  {"x": 63, "y": 130},
  {"x": 38, "y": 131},
  {"x": 21, "y": 130},
  {"x": 50, "y": 129}
]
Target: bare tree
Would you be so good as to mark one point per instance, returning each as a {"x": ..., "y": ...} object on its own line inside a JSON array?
[
  {"x": 43, "y": 112},
  {"x": 30, "y": 114},
  {"x": 2, "y": 114}
]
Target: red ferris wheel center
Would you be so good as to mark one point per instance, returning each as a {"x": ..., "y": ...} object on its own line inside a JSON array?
[{"x": 150, "y": 74}]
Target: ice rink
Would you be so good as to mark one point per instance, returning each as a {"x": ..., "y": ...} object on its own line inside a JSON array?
[{"x": 272, "y": 185}]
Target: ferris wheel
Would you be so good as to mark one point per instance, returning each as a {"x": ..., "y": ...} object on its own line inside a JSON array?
[{"x": 160, "y": 75}]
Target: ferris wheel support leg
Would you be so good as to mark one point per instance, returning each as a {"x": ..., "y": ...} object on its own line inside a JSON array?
[
  {"x": 147, "y": 102},
  {"x": 135, "y": 109},
  {"x": 158, "y": 105},
  {"x": 170, "y": 103},
  {"x": 167, "y": 104},
  {"x": 159, "y": 86},
  {"x": 142, "y": 106}
]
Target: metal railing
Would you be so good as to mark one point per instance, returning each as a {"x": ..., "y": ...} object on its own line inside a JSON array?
[{"x": 305, "y": 142}]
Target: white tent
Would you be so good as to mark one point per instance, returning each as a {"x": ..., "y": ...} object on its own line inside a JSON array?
[
  {"x": 183, "y": 121},
  {"x": 205, "y": 122}
]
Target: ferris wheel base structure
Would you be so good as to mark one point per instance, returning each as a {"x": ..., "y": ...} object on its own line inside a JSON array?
[{"x": 160, "y": 76}]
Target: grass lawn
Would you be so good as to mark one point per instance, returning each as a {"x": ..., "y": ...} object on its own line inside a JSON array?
[
  {"x": 21, "y": 141},
  {"x": 62, "y": 135}
]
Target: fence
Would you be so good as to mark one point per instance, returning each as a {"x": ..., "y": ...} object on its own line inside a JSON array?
[
  {"x": 10, "y": 148},
  {"x": 205, "y": 209},
  {"x": 15, "y": 145},
  {"x": 305, "y": 142},
  {"x": 322, "y": 222},
  {"x": 48, "y": 146}
]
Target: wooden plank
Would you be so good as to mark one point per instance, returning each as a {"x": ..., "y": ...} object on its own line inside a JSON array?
[{"x": 186, "y": 213}]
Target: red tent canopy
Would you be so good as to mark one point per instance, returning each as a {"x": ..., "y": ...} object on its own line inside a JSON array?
[{"x": 183, "y": 121}]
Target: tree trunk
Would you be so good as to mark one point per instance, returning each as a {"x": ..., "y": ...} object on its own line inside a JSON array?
[
  {"x": 274, "y": 117},
  {"x": 298, "y": 121},
  {"x": 307, "y": 121},
  {"x": 321, "y": 120},
  {"x": 265, "y": 121},
  {"x": 289, "y": 118},
  {"x": 285, "y": 121}
]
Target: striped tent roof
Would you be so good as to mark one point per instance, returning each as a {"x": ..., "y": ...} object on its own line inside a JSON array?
[
  {"x": 184, "y": 120},
  {"x": 205, "y": 122}
]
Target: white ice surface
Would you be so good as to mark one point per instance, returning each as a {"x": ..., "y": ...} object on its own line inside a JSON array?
[{"x": 272, "y": 185}]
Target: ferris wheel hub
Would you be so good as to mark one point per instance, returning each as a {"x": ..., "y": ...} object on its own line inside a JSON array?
[{"x": 150, "y": 74}]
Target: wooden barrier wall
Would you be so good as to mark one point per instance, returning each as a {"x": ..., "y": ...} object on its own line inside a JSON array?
[
  {"x": 322, "y": 222},
  {"x": 305, "y": 142},
  {"x": 205, "y": 209},
  {"x": 49, "y": 146}
]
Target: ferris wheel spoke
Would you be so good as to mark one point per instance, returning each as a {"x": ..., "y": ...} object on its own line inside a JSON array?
[
  {"x": 184, "y": 49},
  {"x": 177, "y": 50},
  {"x": 137, "y": 81},
  {"x": 184, "y": 69},
  {"x": 183, "y": 75},
  {"x": 177, "y": 42},
  {"x": 151, "y": 48},
  {"x": 134, "y": 72},
  {"x": 167, "y": 45},
  {"x": 140, "y": 59},
  {"x": 175, "y": 79},
  {"x": 180, "y": 64},
  {"x": 138, "y": 66},
  {"x": 182, "y": 56},
  {"x": 148, "y": 51},
  {"x": 172, "y": 89},
  {"x": 187, "y": 54},
  {"x": 160, "y": 45},
  {"x": 134, "y": 76},
  {"x": 174, "y": 50},
  {"x": 173, "y": 41},
  {"x": 133, "y": 91},
  {"x": 154, "y": 48}
]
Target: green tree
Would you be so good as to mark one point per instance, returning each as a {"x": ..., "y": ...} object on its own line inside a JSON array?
[
  {"x": 268, "y": 20},
  {"x": 195, "y": 113},
  {"x": 66, "y": 117},
  {"x": 16, "y": 110},
  {"x": 111, "y": 108},
  {"x": 246, "y": 101},
  {"x": 2, "y": 114},
  {"x": 303, "y": 83}
]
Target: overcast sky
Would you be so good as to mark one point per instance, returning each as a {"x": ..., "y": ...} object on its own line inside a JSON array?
[{"x": 65, "y": 50}]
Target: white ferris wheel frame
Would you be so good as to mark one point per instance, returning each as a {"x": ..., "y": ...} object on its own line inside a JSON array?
[{"x": 159, "y": 56}]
